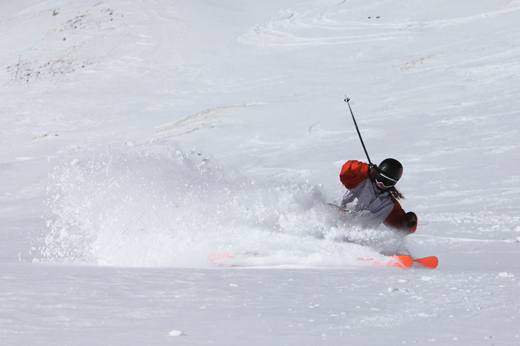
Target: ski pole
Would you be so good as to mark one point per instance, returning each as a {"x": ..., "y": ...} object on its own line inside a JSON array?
[{"x": 357, "y": 128}]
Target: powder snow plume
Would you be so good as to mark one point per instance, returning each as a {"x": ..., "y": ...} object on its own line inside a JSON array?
[{"x": 154, "y": 205}]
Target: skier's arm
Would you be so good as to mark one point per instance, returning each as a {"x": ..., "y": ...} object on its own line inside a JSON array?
[
  {"x": 400, "y": 220},
  {"x": 353, "y": 173}
]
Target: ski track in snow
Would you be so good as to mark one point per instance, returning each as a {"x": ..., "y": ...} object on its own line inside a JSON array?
[
  {"x": 333, "y": 20},
  {"x": 137, "y": 139},
  {"x": 282, "y": 31}
]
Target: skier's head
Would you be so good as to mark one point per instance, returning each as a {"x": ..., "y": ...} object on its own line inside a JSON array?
[{"x": 390, "y": 171}]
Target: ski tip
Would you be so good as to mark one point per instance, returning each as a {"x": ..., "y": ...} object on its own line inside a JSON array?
[{"x": 429, "y": 262}]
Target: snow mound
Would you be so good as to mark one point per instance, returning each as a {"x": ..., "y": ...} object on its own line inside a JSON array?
[{"x": 155, "y": 205}]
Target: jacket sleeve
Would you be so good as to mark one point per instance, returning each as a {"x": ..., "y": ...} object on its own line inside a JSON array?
[
  {"x": 396, "y": 219},
  {"x": 353, "y": 173}
]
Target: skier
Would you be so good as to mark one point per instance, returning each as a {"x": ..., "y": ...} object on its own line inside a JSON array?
[{"x": 372, "y": 197}]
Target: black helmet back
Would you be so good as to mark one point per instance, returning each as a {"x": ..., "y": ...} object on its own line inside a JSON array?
[{"x": 391, "y": 169}]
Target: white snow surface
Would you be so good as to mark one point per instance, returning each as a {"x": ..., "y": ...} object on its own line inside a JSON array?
[{"x": 137, "y": 138}]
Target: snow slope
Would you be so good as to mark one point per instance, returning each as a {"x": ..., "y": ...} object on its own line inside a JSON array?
[{"x": 137, "y": 138}]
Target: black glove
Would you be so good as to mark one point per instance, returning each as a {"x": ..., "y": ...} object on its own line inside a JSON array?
[
  {"x": 410, "y": 219},
  {"x": 373, "y": 171}
]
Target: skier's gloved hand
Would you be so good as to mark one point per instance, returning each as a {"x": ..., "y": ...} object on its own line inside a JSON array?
[
  {"x": 410, "y": 219},
  {"x": 373, "y": 171}
]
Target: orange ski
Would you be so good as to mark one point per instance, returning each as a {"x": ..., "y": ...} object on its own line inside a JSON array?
[
  {"x": 402, "y": 261},
  {"x": 229, "y": 260},
  {"x": 399, "y": 261},
  {"x": 429, "y": 262}
]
